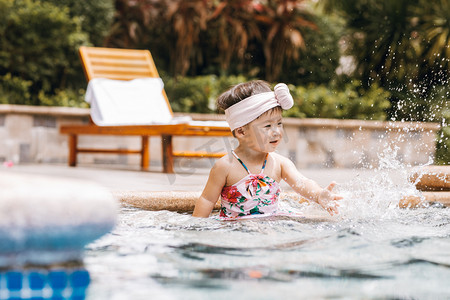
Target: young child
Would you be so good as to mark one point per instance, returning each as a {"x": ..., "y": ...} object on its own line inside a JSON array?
[{"x": 248, "y": 180}]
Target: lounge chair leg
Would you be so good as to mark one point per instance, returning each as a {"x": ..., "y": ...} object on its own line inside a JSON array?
[
  {"x": 167, "y": 153},
  {"x": 145, "y": 153},
  {"x": 73, "y": 140}
]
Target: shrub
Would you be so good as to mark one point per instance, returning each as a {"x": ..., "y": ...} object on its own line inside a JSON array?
[
  {"x": 275, "y": 40},
  {"x": 198, "y": 94},
  {"x": 443, "y": 146},
  {"x": 14, "y": 90},
  {"x": 352, "y": 102},
  {"x": 317, "y": 63},
  {"x": 95, "y": 16},
  {"x": 67, "y": 97},
  {"x": 38, "y": 44},
  {"x": 443, "y": 137}
]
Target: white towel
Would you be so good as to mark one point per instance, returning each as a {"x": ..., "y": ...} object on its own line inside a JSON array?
[
  {"x": 209, "y": 123},
  {"x": 135, "y": 102}
]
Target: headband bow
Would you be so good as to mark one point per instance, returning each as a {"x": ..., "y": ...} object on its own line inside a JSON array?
[{"x": 252, "y": 107}]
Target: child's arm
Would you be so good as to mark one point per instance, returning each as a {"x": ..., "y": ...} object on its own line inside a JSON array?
[
  {"x": 309, "y": 188},
  {"x": 216, "y": 181}
]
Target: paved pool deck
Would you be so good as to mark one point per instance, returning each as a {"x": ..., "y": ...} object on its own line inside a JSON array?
[
  {"x": 155, "y": 190},
  {"x": 117, "y": 178}
]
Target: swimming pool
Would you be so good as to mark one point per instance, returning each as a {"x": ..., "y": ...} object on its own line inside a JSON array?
[{"x": 372, "y": 250}]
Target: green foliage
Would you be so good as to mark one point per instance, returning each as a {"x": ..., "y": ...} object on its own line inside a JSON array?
[
  {"x": 39, "y": 44},
  {"x": 14, "y": 90},
  {"x": 443, "y": 138},
  {"x": 272, "y": 40},
  {"x": 425, "y": 103},
  {"x": 443, "y": 147},
  {"x": 433, "y": 26},
  {"x": 352, "y": 102},
  {"x": 317, "y": 63},
  {"x": 383, "y": 50},
  {"x": 198, "y": 94},
  {"x": 190, "y": 94},
  {"x": 95, "y": 16},
  {"x": 407, "y": 52},
  {"x": 67, "y": 97}
]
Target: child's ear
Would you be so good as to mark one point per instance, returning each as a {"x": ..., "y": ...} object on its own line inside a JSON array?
[{"x": 240, "y": 131}]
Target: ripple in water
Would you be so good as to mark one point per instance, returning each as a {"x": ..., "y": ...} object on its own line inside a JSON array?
[{"x": 372, "y": 249}]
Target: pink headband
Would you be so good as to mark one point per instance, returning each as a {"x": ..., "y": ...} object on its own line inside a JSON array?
[{"x": 252, "y": 107}]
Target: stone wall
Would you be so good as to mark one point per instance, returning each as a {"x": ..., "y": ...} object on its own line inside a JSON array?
[{"x": 30, "y": 134}]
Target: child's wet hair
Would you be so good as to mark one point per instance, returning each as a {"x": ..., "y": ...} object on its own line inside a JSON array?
[{"x": 241, "y": 91}]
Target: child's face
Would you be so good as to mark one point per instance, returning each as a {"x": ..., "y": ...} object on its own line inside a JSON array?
[{"x": 265, "y": 133}]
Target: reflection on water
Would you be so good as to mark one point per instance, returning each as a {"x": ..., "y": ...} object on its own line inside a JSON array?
[{"x": 44, "y": 284}]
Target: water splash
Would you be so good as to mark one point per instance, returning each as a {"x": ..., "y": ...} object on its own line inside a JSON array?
[{"x": 379, "y": 195}]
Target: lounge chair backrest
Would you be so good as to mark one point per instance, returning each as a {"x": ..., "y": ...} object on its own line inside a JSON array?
[{"x": 118, "y": 64}]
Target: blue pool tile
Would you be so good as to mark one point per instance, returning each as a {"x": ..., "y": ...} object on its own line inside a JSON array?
[
  {"x": 80, "y": 279},
  {"x": 14, "y": 281},
  {"x": 37, "y": 298},
  {"x": 36, "y": 281},
  {"x": 78, "y": 293},
  {"x": 57, "y": 279}
]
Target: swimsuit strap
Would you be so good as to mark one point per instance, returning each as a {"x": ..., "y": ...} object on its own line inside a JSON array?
[
  {"x": 245, "y": 167},
  {"x": 265, "y": 162}
]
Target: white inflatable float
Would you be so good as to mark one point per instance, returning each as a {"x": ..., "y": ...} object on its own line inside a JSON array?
[{"x": 49, "y": 220}]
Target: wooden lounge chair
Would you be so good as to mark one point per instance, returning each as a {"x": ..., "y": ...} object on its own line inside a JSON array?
[{"x": 127, "y": 64}]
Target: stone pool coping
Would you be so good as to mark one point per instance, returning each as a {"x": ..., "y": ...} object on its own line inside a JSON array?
[
  {"x": 180, "y": 201},
  {"x": 137, "y": 188},
  {"x": 184, "y": 201},
  {"x": 60, "y": 111}
]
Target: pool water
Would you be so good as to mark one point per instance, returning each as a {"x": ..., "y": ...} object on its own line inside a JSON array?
[
  {"x": 173, "y": 256},
  {"x": 372, "y": 250}
]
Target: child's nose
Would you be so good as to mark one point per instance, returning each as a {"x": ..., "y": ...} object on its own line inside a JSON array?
[{"x": 276, "y": 131}]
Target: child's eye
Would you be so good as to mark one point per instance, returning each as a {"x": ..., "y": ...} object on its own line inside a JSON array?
[
  {"x": 280, "y": 123},
  {"x": 267, "y": 126}
]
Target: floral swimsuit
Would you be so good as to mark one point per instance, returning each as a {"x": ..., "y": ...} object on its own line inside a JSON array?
[{"x": 255, "y": 195}]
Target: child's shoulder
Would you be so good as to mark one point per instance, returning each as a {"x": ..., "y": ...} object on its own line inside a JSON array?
[
  {"x": 280, "y": 159},
  {"x": 223, "y": 164}
]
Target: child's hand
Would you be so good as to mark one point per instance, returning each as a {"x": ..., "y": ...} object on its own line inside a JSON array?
[{"x": 327, "y": 199}]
